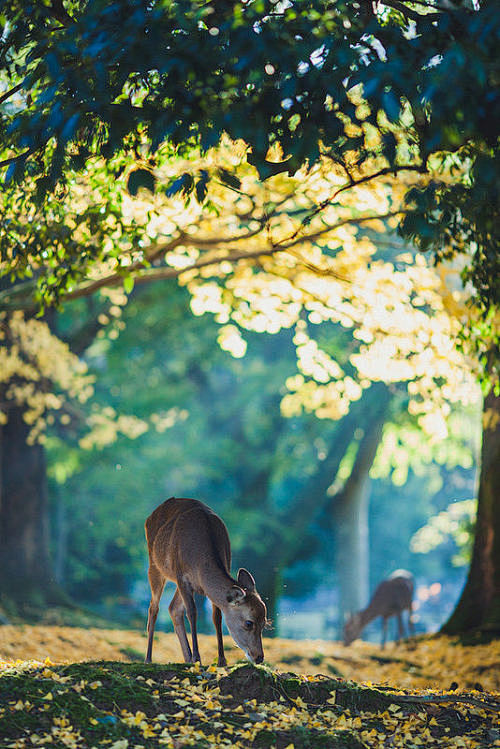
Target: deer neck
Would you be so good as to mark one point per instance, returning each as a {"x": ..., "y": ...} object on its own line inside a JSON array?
[
  {"x": 367, "y": 615},
  {"x": 216, "y": 584}
]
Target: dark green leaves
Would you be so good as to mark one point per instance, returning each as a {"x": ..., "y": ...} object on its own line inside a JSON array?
[
  {"x": 229, "y": 179},
  {"x": 183, "y": 184},
  {"x": 140, "y": 178},
  {"x": 129, "y": 79}
]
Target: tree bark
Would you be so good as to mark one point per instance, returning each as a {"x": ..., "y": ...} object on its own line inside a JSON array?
[
  {"x": 352, "y": 549},
  {"x": 25, "y": 570},
  {"x": 349, "y": 509},
  {"x": 479, "y": 605}
]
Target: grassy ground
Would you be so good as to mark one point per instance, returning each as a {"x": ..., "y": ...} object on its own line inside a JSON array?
[{"x": 89, "y": 693}]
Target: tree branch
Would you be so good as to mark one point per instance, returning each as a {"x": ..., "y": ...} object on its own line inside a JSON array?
[
  {"x": 21, "y": 156},
  {"x": 10, "y": 93},
  {"x": 13, "y": 297},
  {"x": 367, "y": 448},
  {"x": 382, "y": 172},
  {"x": 166, "y": 272},
  {"x": 353, "y": 220}
]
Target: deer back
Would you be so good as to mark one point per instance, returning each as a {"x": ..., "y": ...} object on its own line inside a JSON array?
[
  {"x": 392, "y": 595},
  {"x": 185, "y": 537}
]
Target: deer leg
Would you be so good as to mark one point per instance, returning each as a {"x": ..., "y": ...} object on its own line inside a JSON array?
[
  {"x": 188, "y": 598},
  {"x": 384, "y": 631},
  {"x": 177, "y": 609},
  {"x": 400, "y": 627},
  {"x": 217, "y": 620},
  {"x": 411, "y": 627},
  {"x": 157, "y": 583}
]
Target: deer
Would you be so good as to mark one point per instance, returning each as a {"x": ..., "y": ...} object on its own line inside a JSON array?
[
  {"x": 391, "y": 597},
  {"x": 189, "y": 545}
]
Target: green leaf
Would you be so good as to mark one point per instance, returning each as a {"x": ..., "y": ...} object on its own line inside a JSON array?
[
  {"x": 229, "y": 179},
  {"x": 128, "y": 284},
  {"x": 140, "y": 178},
  {"x": 201, "y": 186}
]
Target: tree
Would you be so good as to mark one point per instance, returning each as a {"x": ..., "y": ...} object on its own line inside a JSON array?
[
  {"x": 38, "y": 372},
  {"x": 216, "y": 432},
  {"x": 43, "y": 385},
  {"x": 478, "y": 607},
  {"x": 109, "y": 87}
]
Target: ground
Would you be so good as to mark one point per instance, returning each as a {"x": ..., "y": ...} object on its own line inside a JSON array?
[
  {"x": 80, "y": 688},
  {"x": 429, "y": 662}
]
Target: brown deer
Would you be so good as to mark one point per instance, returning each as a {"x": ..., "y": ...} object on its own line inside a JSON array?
[
  {"x": 189, "y": 544},
  {"x": 392, "y": 596}
]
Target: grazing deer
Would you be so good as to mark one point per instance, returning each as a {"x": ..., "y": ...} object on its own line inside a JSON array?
[
  {"x": 189, "y": 544},
  {"x": 392, "y": 596}
]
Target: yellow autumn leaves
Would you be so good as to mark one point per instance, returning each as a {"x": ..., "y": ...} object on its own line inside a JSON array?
[
  {"x": 38, "y": 373},
  {"x": 129, "y": 706},
  {"x": 428, "y": 662},
  {"x": 294, "y": 251}
]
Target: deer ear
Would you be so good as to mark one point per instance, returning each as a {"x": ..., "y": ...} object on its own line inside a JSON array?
[
  {"x": 235, "y": 595},
  {"x": 245, "y": 579}
]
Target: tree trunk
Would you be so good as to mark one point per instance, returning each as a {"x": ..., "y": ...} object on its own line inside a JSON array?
[
  {"x": 479, "y": 605},
  {"x": 352, "y": 550},
  {"x": 286, "y": 540},
  {"x": 350, "y": 516},
  {"x": 25, "y": 570}
]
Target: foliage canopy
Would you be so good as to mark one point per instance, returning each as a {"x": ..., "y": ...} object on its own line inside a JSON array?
[{"x": 135, "y": 82}]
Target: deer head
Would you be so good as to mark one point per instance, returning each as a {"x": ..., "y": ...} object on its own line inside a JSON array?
[{"x": 245, "y": 615}]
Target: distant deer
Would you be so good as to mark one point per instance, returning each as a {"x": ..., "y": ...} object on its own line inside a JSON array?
[
  {"x": 189, "y": 544},
  {"x": 392, "y": 596}
]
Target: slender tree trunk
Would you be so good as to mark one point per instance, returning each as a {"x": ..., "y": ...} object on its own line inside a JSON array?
[
  {"x": 285, "y": 545},
  {"x": 350, "y": 516},
  {"x": 352, "y": 550},
  {"x": 479, "y": 605},
  {"x": 25, "y": 570}
]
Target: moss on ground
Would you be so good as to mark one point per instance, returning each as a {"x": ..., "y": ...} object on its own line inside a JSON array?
[{"x": 123, "y": 705}]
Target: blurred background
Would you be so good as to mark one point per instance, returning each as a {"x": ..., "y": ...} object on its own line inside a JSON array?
[{"x": 207, "y": 424}]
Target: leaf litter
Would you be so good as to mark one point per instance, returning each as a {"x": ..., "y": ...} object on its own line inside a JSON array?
[{"x": 49, "y": 697}]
